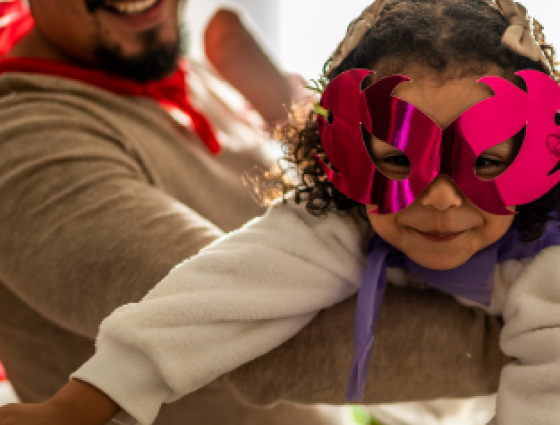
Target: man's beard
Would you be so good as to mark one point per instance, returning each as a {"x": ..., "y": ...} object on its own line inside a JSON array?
[{"x": 157, "y": 61}]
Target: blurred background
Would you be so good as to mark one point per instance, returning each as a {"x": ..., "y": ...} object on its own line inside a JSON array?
[{"x": 298, "y": 36}]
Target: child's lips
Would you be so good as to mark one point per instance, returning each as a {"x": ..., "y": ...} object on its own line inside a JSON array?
[{"x": 436, "y": 236}]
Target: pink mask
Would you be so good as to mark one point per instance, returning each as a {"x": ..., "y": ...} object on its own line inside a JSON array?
[{"x": 433, "y": 151}]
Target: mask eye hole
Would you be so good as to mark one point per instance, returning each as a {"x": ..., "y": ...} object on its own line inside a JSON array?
[
  {"x": 557, "y": 118},
  {"x": 389, "y": 160},
  {"x": 493, "y": 162}
]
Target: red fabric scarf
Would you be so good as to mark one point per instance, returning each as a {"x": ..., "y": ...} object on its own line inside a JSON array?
[{"x": 171, "y": 92}]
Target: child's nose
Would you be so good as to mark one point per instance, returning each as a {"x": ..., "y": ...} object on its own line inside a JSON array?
[{"x": 442, "y": 194}]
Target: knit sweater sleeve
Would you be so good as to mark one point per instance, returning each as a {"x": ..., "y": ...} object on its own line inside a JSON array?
[
  {"x": 239, "y": 298},
  {"x": 83, "y": 230},
  {"x": 529, "y": 390}
]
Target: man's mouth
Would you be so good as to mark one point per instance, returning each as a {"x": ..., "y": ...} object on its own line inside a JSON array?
[{"x": 129, "y": 8}]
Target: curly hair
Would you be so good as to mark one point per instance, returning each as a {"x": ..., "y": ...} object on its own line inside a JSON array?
[{"x": 455, "y": 38}]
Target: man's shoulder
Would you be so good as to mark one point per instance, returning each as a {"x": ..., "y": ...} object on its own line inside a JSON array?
[
  {"x": 42, "y": 108},
  {"x": 57, "y": 93},
  {"x": 44, "y": 118}
]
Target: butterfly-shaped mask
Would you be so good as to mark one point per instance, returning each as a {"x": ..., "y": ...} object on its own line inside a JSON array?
[{"x": 432, "y": 150}]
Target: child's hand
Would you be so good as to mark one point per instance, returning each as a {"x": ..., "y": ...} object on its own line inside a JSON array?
[
  {"x": 77, "y": 403},
  {"x": 29, "y": 414}
]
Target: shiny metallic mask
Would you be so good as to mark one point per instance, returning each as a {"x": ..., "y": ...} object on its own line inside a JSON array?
[{"x": 432, "y": 150}]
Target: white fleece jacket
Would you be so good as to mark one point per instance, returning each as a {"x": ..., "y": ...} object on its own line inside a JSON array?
[
  {"x": 237, "y": 299},
  {"x": 255, "y": 288}
]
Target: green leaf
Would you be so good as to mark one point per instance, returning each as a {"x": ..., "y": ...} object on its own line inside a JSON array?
[
  {"x": 319, "y": 85},
  {"x": 321, "y": 111},
  {"x": 361, "y": 416}
]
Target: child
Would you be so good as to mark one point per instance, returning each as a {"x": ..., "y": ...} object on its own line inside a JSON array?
[{"x": 434, "y": 222}]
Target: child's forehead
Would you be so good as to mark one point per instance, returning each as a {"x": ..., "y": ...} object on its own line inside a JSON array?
[
  {"x": 443, "y": 97},
  {"x": 420, "y": 72},
  {"x": 443, "y": 102}
]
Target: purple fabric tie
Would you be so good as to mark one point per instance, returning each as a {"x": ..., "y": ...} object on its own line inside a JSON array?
[{"x": 471, "y": 280}]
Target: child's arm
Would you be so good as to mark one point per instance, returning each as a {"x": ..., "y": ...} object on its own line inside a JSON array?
[
  {"x": 236, "y": 300},
  {"x": 529, "y": 390}
]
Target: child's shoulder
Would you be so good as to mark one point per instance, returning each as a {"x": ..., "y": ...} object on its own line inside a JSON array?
[
  {"x": 521, "y": 275},
  {"x": 288, "y": 226},
  {"x": 546, "y": 261},
  {"x": 348, "y": 226}
]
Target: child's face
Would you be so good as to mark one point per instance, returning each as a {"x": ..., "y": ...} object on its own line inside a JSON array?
[{"x": 441, "y": 229}]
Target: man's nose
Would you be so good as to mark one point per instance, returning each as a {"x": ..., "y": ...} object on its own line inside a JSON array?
[{"x": 442, "y": 194}]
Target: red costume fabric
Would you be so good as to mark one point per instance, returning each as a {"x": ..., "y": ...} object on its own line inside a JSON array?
[{"x": 171, "y": 92}]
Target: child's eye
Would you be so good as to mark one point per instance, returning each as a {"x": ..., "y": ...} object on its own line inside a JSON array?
[
  {"x": 396, "y": 167},
  {"x": 389, "y": 160},
  {"x": 488, "y": 168},
  {"x": 397, "y": 161},
  {"x": 483, "y": 162},
  {"x": 494, "y": 161}
]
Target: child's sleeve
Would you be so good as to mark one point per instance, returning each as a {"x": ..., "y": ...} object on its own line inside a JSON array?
[
  {"x": 239, "y": 298},
  {"x": 529, "y": 390}
]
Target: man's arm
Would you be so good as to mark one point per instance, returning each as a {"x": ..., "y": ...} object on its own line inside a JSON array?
[
  {"x": 239, "y": 59},
  {"x": 426, "y": 346},
  {"x": 313, "y": 366},
  {"x": 82, "y": 229}
]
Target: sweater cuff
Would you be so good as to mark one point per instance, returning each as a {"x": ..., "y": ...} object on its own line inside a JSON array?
[{"x": 129, "y": 378}]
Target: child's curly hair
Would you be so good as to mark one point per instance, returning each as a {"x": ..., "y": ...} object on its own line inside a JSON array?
[{"x": 454, "y": 38}]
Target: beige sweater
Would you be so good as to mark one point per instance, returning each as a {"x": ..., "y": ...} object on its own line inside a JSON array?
[{"x": 102, "y": 195}]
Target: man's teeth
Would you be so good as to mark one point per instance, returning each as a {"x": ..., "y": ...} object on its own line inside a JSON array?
[{"x": 131, "y": 7}]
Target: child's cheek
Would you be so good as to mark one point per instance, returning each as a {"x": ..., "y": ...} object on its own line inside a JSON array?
[{"x": 385, "y": 225}]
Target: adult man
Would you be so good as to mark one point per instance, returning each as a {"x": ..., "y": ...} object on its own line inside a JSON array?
[{"x": 103, "y": 192}]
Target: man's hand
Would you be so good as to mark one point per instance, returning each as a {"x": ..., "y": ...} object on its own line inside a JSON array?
[
  {"x": 77, "y": 403},
  {"x": 239, "y": 59}
]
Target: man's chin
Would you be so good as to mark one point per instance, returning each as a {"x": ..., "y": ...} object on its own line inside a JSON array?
[{"x": 153, "y": 65}]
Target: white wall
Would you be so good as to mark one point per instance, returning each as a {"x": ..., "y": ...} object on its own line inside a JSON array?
[{"x": 301, "y": 34}]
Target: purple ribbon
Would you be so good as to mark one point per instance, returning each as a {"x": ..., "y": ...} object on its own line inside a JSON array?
[{"x": 472, "y": 280}]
